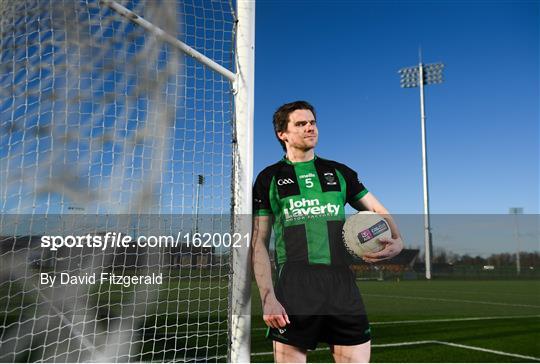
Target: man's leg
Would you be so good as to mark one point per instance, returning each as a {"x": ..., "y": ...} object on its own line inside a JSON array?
[
  {"x": 351, "y": 354},
  {"x": 284, "y": 353}
]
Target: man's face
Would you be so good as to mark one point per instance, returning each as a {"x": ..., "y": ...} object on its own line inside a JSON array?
[{"x": 301, "y": 131}]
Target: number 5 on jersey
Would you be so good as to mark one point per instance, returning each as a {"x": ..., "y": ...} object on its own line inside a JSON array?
[{"x": 309, "y": 183}]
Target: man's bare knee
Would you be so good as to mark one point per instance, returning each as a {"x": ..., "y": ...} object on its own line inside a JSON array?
[
  {"x": 284, "y": 353},
  {"x": 352, "y": 354}
]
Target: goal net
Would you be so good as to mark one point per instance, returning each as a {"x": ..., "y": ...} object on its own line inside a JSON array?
[{"x": 112, "y": 128}]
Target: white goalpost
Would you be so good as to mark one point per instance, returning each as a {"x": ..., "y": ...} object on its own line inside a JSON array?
[{"x": 126, "y": 119}]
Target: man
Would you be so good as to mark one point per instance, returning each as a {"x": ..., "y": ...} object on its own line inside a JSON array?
[{"x": 316, "y": 298}]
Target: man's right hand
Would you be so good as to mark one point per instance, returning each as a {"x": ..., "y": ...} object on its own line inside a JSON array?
[{"x": 274, "y": 314}]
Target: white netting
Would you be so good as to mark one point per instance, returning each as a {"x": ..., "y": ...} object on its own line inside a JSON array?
[{"x": 106, "y": 128}]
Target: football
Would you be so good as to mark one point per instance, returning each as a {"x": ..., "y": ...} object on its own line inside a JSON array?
[{"x": 362, "y": 231}]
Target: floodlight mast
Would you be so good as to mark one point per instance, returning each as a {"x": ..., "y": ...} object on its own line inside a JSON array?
[
  {"x": 200, "y": 182},
  {"x": 517, "y": 211},
  {"x": 418, "y": 77}
]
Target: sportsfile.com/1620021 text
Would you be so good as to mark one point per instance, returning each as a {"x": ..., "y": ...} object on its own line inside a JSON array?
[{"x": 121, "y": 240}]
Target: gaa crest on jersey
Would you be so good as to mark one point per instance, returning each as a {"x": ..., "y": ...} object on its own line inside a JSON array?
[{"x": 285, "y": 181}]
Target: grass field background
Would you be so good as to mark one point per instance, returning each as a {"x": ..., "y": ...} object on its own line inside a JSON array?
[
  {"x": 412, "y": 321},
  {"x": 439, "y": 321}
]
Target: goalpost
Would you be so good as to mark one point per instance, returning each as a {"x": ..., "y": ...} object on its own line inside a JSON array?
[{"x": 125, "y": 118}]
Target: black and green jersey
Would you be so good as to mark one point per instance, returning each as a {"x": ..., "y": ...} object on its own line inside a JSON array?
[{"x": 307, "y": 200}]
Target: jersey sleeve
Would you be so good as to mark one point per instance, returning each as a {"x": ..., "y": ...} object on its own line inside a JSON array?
[
  {"x": 355, "y": 189},
  {"x": 261, "y": 195}
]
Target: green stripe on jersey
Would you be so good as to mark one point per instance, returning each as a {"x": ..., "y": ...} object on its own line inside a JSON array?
[
  {"x": 263, "y": 212},
  {"x": 361, "y": 194},
  {"x": 281, "y": 253},
  {"x": 316, "y": 230}
]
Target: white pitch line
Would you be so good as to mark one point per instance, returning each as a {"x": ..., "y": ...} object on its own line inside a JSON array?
[
  {"x": 487, "y": 350},
  {"x": 406, "y": 343},
  {"x": 438, "y": 320},
  {"x": 271, "y": 353},
  {"x": 450, "y": 300},
  {"x": 423, "y": 342},
  {"x": 453, "y": 319},
  {"x": 202, "y": 332},
  {"x": 373, "y": 346}
]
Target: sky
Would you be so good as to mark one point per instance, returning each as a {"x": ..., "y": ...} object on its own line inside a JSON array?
[
  {"x": 482, "y": 122},
  {"x": 343, "y": 57}
]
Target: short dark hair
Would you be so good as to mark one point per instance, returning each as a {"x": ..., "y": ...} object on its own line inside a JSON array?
[{"x": 281, "y": 116}]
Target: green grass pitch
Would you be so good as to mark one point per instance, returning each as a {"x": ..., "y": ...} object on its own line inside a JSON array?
[
  {"x": 439, "y": 321},
  {"x": 412, "y": 321}
]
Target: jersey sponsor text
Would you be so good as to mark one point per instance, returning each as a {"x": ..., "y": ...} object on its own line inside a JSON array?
[{"x": 306, "y": 207}]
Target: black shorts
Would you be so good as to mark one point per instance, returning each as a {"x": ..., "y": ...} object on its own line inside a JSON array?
[{"x": 323, "y": 304}]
